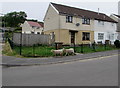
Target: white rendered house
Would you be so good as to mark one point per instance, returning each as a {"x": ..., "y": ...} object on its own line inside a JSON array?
[
  {"x": 117, "y": 18},
  {"x": 29, "y": 27},
  {"x": 104, "y": 31}
]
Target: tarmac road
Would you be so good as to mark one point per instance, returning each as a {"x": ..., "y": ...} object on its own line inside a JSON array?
[{"x": 102, "y": 71}]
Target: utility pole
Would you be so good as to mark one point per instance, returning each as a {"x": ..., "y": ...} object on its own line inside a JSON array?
[{"x": 3, "y": 25}]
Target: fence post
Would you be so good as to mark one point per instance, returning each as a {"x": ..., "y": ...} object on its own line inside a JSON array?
[
  {"x": 21, "y": 44},
  {"x": 82, "y": 48},
  {"x": 33, "y": 50},
  {"x": 94, "y": 46},
  {"x": 105, "y": 46},
  {"x": 74, "y": 47},
  {"x": 56, "y": 46}
]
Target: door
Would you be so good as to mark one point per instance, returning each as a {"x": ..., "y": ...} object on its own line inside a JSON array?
[{"x": 72, "y": 37}]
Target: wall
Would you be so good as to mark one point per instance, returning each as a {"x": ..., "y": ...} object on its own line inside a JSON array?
[
  {"x": 79, "y": 37},
  {"x": 26, "y": 28},
  {"x": 117, "y": 20},
  {"x": 63, "y": 35},
  {"x": 108, "y": 29},
  {"x": 30, "y": 39},
  {"x": 51, "y": 20},
  {"x": 118, "y": 36},
  {"x": 64, "y": 25}
]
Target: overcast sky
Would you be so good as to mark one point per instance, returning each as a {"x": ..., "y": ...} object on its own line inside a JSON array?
[{"x": 36, "y": 9}]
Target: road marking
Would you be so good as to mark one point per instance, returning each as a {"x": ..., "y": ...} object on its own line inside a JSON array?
[
  {"x": 98, "y": 58},
  {"x": 83, "y": 60}
]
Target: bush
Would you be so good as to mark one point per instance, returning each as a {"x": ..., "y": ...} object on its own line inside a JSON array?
[
  {"x": 117, "y": 43},
  {"x": 18, "y": 29}
]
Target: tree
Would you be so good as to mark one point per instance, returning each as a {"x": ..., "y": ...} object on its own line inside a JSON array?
[
  {"x": 13, "y": 19},
  {"x": 32, "y": 20}
]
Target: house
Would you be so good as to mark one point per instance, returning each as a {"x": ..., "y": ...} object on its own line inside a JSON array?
[
  {"x": 74, "y": 25},
  {"x": 117, "y": 18},
  {"x": 29, "y": 27}
]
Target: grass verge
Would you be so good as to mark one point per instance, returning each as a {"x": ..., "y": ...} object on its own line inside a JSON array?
[{"x": 45, "y": 51}]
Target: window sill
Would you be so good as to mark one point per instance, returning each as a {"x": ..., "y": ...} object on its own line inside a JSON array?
[
  {"x": 69, "y": 22},
  {"x": 85, "y": 24},
  {"x": 85, "y": 40}
]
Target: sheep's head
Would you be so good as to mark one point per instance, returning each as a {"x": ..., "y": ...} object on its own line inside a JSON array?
[
  {"x": 52, "y": 50},
  {"x": 63, "y": 49}
]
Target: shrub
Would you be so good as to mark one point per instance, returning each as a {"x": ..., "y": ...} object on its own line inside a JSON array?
[{"x": 117, "y": 43}]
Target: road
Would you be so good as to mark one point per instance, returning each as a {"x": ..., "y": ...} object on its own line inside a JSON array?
[{"x": 101, "y": 71}]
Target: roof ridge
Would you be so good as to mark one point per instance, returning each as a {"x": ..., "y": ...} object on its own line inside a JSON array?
[
  {"x": 78, "y": 8},
  {"x": 69, "y": 10}
]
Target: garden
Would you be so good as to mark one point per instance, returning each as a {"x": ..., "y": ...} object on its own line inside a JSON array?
[{"x": 45, "y": 50}]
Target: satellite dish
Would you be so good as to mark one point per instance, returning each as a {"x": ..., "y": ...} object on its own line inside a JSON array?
[{"x": 77, "y": 24}]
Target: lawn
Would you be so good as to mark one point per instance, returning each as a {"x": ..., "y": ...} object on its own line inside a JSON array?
[
  {"x": 98, "y": 48},
  {"x": 38, "y": 51},
  {"x": 45, "y": 51}
]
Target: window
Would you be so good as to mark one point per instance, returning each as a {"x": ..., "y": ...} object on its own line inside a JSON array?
[
  {"x": 37, "y": 28},
  {"x": 86, "y": 21},
  {"x": 69, "y": 19},
  {"x": 33, "y": 26},
  {"x": 112, "y": 37},
  {"x": 100, "y": 36},
  {"x": 32, "y": 32},
  {"x": 38, "y": 32},
  {"x": 85, "y": 36}
]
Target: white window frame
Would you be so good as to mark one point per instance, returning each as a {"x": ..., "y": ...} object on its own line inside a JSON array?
[
  {"x": 86, "y": 21},
  {"x": 100, "y": 36},
  {"x": 69, "y": 19}
]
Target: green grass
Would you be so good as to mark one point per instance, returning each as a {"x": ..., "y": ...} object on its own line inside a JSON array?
[
  {"x": 45, "y": 51},
  {"x": 40, "y": 51},
  {"x": 98, "y": 48}
]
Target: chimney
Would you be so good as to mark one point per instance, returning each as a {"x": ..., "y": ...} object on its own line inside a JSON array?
[{"x": 98, "y": 11}]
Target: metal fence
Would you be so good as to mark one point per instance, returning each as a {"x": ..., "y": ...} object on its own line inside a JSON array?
[
  {"x": 36, "y": 50},
  {"x": 42, "y": 50}
]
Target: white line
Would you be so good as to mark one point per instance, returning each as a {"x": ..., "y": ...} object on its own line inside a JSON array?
[{"x": 96, "y": 58}]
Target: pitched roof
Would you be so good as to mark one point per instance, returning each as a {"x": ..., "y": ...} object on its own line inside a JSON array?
[
  {"x": 41, "y": 23},
  {"x": 117, "y": 15},
  {"x": 36, "y": 24},
  {"x": 67, "y": 10}
]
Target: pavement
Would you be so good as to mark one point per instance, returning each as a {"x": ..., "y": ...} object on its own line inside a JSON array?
[{"x": 14, "y": 61}]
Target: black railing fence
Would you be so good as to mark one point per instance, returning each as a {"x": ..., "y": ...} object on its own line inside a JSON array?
[{"x": 40, "y": 50}]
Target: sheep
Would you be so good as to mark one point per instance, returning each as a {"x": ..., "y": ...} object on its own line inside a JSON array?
[
  {"x": 58, "y": 52},
  {"x": 69, "y": 51}
]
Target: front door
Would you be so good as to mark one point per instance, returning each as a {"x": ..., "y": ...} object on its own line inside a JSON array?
[{"x": 72, "y": 37}]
